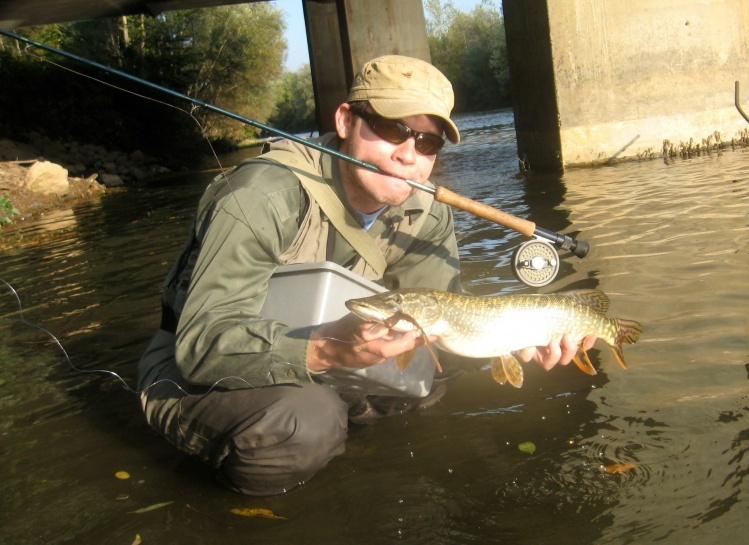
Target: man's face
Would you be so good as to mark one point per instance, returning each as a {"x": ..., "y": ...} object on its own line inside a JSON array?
[{"x": 369, "y": 191}]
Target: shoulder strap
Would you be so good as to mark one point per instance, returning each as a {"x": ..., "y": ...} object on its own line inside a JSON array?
[{"x": 333, "y": 208}]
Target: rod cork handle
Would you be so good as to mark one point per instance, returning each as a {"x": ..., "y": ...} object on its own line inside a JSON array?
[{"x": 485, "y": 211}]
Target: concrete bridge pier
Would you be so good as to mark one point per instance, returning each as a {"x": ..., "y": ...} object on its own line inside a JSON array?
[
  {"x": 344, "y": 34},
  {"x": 595, "y": 81}
]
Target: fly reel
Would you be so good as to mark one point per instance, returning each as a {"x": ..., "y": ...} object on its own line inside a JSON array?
[{"x": 535, "y": 263}]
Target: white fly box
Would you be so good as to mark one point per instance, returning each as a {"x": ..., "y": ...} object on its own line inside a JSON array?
[{"x": 310, "y": 294}]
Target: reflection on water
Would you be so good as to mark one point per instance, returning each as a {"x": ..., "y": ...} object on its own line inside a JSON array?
[{"x": 669, "y": 244}]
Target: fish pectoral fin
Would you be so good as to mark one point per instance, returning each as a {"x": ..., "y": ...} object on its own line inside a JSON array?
[
  {"x": 424, "y": 336},
  {"x": 402, "y": 360},
  {"x": 582, "y": 360},
  {"x": 507, "y": 368},
  {"x": 431, "y": 351}
]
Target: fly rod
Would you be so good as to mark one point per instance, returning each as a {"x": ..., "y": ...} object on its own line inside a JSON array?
[
  {"x": 737, "y": 101},
  {"x": 523, "y": 226}
]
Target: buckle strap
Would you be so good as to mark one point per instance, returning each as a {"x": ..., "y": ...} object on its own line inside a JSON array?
[{"x": 329, "y": 202}]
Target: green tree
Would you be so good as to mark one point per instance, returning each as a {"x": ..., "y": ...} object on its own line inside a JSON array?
[
  {"x": 470, "y": 49},
  {"x": 295, "y": 106},
  {"x": 228, "y": 56},
  {"x": 240, "y": 51}
]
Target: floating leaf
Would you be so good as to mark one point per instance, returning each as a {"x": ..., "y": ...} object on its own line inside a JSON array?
[
  {"x": 527, "y": 447},
  {"x": 614, "y": 469},
  {"x": 255, "y": 512},
  {"x": 122, "y": 475},
  {"x": 151, "y": 507},
  {"x": 137, "y": 540}
]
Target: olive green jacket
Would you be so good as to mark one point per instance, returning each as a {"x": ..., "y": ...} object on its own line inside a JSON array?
[{"x": 244, "y": 227}]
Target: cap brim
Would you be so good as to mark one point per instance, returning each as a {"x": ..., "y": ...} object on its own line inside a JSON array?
[{"x": 393, "y": 109}]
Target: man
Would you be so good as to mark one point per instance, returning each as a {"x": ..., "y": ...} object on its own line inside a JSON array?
[{"x": 239, "y": 391}]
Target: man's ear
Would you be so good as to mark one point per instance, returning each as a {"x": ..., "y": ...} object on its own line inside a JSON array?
[{"x": 344, "y": 120}]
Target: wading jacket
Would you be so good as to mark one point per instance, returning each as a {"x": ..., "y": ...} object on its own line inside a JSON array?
[{"x": 258, "y": 217}]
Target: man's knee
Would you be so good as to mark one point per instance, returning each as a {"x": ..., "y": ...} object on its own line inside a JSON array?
[{"x": 293, "y": 438}]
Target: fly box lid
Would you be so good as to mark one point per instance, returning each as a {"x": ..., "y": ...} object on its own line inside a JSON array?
[{"x": 313, "y": 293}]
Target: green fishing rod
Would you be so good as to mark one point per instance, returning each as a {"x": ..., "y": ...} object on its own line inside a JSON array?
[{"x": 441, "y": 194}]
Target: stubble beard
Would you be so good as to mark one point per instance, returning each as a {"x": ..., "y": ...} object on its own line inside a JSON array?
[
  {"x": 377, "y": 189},
  {"x": 363, "y": 187}
]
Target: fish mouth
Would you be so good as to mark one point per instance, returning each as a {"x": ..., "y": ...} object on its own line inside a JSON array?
[{"x": 368, "y": 311}]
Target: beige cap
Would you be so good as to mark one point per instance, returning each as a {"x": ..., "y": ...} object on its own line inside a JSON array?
[{"x": 398, "y": 87}]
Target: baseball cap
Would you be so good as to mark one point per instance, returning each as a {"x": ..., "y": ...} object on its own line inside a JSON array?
[{"x": 396, "y": 87}]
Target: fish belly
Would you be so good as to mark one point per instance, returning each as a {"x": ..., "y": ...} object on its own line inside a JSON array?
[{"x": 492, "y": 336}]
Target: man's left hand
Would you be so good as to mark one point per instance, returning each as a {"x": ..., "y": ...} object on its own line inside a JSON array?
[{"x": 557, "y": 352}]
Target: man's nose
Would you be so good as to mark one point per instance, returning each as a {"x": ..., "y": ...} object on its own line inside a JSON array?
[{"x": 405, "y": 152}]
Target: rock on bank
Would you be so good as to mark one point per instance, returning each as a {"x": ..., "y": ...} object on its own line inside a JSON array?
[{"x": 46, "y": 174}]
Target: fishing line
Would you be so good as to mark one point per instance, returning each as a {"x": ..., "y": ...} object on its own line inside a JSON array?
[
  {"x": 113, "y": 374},
  {"x": 223, "y": 172}
]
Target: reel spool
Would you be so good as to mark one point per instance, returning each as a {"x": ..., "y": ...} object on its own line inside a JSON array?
[{"x": 535, "y": 263}]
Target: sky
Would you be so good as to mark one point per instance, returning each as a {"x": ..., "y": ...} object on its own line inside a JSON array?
[{"x": 297, "y": 54}]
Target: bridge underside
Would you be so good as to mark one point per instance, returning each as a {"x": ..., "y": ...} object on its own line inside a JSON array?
[{"x": 23, "y": 13}]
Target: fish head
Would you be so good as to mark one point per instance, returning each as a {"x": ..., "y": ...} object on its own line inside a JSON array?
[{"x": 399, "y": 309}]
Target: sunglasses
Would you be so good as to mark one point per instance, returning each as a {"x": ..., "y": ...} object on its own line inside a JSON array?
[{"x": 396, "y": 132}]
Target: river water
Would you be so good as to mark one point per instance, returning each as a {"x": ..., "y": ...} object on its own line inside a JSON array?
[{"x": 669, "y": 244}]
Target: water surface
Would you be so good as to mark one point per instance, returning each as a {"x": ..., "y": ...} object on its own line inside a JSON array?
[{"x": 670, "y": 245}]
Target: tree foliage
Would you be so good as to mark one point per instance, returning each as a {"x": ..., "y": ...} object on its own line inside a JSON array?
[
  {"x": 228, "y": 56},
  {"x": 295, "y": 107},
  {"x": 470, "y": 49}
]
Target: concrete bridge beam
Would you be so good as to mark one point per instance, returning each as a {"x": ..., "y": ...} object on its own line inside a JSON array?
[{"x": 596, "y": 81}]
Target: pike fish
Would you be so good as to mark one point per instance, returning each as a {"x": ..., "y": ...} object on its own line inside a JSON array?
[{"x": 496, "y": 327}]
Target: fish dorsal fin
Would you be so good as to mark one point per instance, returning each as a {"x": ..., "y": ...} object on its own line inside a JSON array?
[{"x": 595, "y": 299}]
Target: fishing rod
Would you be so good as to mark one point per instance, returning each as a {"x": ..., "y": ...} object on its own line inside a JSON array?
[
  {"x": 737, "y": 101},
  {"x": 540, "y": 260}
]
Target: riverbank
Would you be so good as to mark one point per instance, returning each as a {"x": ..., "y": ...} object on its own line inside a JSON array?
[
  {"x": 42, "y": 175},
  {"x": 73, "y": 173}
]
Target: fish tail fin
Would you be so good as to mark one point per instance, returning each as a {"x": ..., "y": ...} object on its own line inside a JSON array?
[{"x": 629, "y": 332}]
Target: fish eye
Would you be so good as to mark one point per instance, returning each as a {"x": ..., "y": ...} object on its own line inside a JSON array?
[{"x": 397, "y": 298}]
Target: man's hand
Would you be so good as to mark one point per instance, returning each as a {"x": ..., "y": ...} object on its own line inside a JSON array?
[
  {"x": 350, "y": 342},
  {"x": 558, "y": 351}
]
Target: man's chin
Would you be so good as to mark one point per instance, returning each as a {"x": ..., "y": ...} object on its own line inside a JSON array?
[
  {"x": 398, "y": 195},
  {"x": 399, "y": 189}
]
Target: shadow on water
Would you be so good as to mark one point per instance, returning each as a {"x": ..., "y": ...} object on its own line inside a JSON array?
[{"x": 654, "y": 453}]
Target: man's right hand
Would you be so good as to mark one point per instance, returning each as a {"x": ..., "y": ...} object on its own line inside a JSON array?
[{"x": 351, "y": 342}]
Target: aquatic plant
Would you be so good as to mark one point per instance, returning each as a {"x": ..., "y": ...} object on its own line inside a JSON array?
[{"x": 7, "y": 210}]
